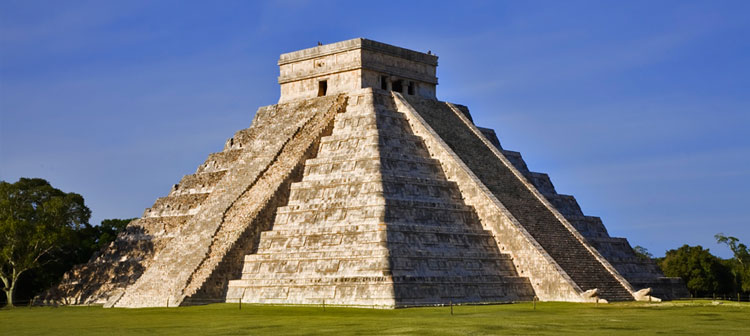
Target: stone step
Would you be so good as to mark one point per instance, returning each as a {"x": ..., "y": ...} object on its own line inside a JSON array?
[
  {"x": 357, "y": 148},
  {"x": 178, "y": 205},
  {"x": 410, "y": 211},
  {"x": 371, "y": 135},
  {"x": 388, "y": 180},
  {"x": 369, "y": 147},
  {"x": 385, "y": 120},
  {"x": 344, "y": 161},
  {"x": 516, "y": 160},
  {"x": 430, "y": 216},
  {"x": 198, "y": 183},
  {"x": 376, "y": 199},
  {"x": 371, "y": 194},
  {"x": 542, "y": 182},
  {"x": 343, "y": 228},
  {"x": 589, "y": 226},
  {"x": 374, "y": 222},
  {"x": 220, "y": 161},
  {"x": 156, "y": 225},
  {"x": 283, "y": 268},
  {"x": 249, "y": 139},
  {"x": 396, "y": 250},
  {"x": 365, "y": 251},
  {"x": 341, "y": 280},
  {"x": 567, "y": 205},
  {"x": 404, "y": 259},
  {"x": 394, "y": 166},
  {"x": 417, "y": 249},
  {"x": 317, "y": 279},
  {"x": 356, "y": 199}
]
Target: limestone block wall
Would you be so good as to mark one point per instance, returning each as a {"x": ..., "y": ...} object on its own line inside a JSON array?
[{"x": 336, "y": 83}]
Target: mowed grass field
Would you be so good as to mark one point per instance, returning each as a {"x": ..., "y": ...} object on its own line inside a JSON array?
[{"x": 679, "y": 317}]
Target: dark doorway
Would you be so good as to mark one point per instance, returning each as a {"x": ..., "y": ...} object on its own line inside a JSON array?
[
  {"x": 322, "y": 88},
  {"x": 384, "y": 82},
  {"x": 398, "y": 86},
  {"x": 410, "y": 89}
]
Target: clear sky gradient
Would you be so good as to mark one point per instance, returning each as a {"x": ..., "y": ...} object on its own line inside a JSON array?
[{"x": 640, "y": 109}]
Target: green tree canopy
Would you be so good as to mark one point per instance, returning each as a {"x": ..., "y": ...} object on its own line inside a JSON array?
[
  {"x": 740, "y": 264},
  {"x": 642, "y": 253},
  {"x": 703, "y": 273},
  {"x": 35, "y": 219}
]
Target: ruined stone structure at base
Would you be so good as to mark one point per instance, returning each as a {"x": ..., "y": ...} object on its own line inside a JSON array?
[{"x": 360, "y": 188}]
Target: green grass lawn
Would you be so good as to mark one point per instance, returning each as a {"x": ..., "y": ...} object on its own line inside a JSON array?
[{"x": 680, "y": 317}]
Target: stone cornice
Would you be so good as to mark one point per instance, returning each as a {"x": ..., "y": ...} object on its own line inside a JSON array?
[{"x": 357, "y": 43}]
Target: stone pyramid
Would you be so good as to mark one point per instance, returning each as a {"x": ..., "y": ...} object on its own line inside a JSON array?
[{"x": 360, "y": 188}]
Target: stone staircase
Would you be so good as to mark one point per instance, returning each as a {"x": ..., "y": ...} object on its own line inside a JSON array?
[
  {"x": 196, "y": 265},
  {"x": 374, "y": 222}
]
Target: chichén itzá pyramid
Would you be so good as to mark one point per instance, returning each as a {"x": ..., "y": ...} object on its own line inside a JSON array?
[{"x": 360, "y": 188}]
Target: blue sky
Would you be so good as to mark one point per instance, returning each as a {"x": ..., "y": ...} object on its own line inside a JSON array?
[{"x": 638, "y": 108}]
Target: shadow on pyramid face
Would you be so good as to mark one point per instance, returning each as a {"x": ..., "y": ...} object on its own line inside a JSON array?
[{"x": 439, "y": 251}]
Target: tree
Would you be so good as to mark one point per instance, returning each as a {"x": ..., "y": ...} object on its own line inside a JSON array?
[
  {"x": 702, "y": 272},
  {"x": 740, "y": 263},
  {"x": 642, "y": 253},
  {"x": 89, "y": 239},
  {"x": 35, "y": 219},
  {"x": 108, "y": 230}
]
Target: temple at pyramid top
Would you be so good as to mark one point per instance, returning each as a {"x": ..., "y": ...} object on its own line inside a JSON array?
[{"x": 355, "y": 64}]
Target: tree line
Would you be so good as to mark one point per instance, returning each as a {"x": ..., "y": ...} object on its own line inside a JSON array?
[
  {"x": 704, "y": 274},
  {"x": 44, "y": 232}
]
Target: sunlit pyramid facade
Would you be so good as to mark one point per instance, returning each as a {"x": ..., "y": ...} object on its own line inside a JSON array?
[{"x": 360, "y": 188}]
